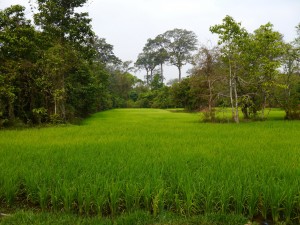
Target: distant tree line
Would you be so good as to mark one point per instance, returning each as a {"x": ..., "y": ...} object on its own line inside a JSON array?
[
  {"x": 247, "y": 71},
  {"x": 58, "y": 70}
]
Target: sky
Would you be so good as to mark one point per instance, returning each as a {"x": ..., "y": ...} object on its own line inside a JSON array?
[{"x": 127, "y": 24}]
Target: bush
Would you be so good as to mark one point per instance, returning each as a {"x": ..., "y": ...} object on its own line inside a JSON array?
[
  {"x": 39, "y": 114},
  {"x": 209, "y": 116},
  {"x": 292, "y": 114},
  {"x": 56, "y": 119}
]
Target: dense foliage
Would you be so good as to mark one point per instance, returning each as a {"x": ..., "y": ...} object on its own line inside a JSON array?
[{"x": 53, "y": 74}]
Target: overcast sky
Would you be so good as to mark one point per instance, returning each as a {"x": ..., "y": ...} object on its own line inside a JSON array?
[{"x": 127, "y": 24}]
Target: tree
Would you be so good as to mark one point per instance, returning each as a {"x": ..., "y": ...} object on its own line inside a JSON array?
[
  {"x": 147, "y": 61},
  {"x": 267, "y": 49},
  {"x": 121, "y": 85},
  {"x": 231, "y": 37},
  {"x": 62, "y": 24},
  {"x": 179, "y": 44},
  {"x": 290, "y": 80},
  {"x": 157, "y": 47},
  {"x": 162, "y": 98},
  {"x": 123, "y": 67},
  {"x": 101, "y": 76},
  {"x": 185, "y": 94},
  {"x": 56, "y": 66},
  {"x": 104, "y": 52},
  {"x": 56, "y": 73},
  {"x": 156, "y": 82},
  {"x": 296, "y": 44},
  {"x": 288, "y": 93},
  {"x": 71, "y": 35},
  {"x": 297, "y": 39},
  {"x": 18, "y": 53},
  {"x": 208, "y": 73},
  {"x": 179, "y": 93}
]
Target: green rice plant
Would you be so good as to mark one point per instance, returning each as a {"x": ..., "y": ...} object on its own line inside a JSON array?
[
  {"x": 288, "y": 203},
  {"x": 10, "y": 187},
  {"x": 276, "y": 202},
  {"x": 185, "y": 195},
  {"x": 100, "y": 200},
  {"x": 146, "y": 197},
  {"x": 80, "y": 197},
  {"x": 55, "y": 200},
  {"x": 265, "y": 201},
  {"x": 114, "y": 198},
  {"x": 240, "y": 198},
  {"x": 138, "y": 198},
  {"x": 131, "y": 197},
  {"x": 10, "y": 191},
  {"x": 208, "y": 199},
  {"x": 43, "y": 196},
  {"x": 252, "y": 201},
  {"x": 296, "y": 213},
  {"x": 178, "y": 204},
  {"x": 88, "y": 202},
  {"x": 158, "y": 202},
  {"x": 191, "y": 206},
  {"x": 67, "y": 197},
  {"x": 2, "y": 192},
  {"x": 224, "y": 198},
  {"x": 84, "y": 195}
]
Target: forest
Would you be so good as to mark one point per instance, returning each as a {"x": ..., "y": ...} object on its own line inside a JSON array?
[{"x": 55, "y": 69}]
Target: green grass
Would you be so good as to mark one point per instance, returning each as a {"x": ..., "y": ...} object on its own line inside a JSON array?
[{"x": 123, "y": 162}]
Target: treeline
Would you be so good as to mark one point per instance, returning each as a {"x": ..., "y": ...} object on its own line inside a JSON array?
[
  {"x": 58, "y": 70},
  {"x": 246, "y": 71}
]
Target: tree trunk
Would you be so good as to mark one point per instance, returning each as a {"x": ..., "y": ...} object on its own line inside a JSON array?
[
  {"x": 179, "y": 70},
  {"x": 264, "y": 107},
  {"x": 63, "y": 108},
  {"x": 230, "y": 91},
  {"x": 55, "y": 106},
  {"x": 211, "y": 101},
  {"x": 151, "y": 75},
  {"x": 161, "y": 72},
  {"x": 236, "y": 118},
  {"x": 210, "y": 97},
  {"x": 147, "y": 77},
  {"x": 11, "y": 113},
  {"x": 63, "y": 111}
]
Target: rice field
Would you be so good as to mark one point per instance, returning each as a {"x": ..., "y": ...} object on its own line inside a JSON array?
[{"x": 125, "y": 161}]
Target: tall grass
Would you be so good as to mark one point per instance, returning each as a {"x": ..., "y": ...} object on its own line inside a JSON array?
[{"x": 122, "y": 161}]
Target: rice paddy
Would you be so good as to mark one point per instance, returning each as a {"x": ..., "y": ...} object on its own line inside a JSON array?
[{"x": 125, "y": 161}]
